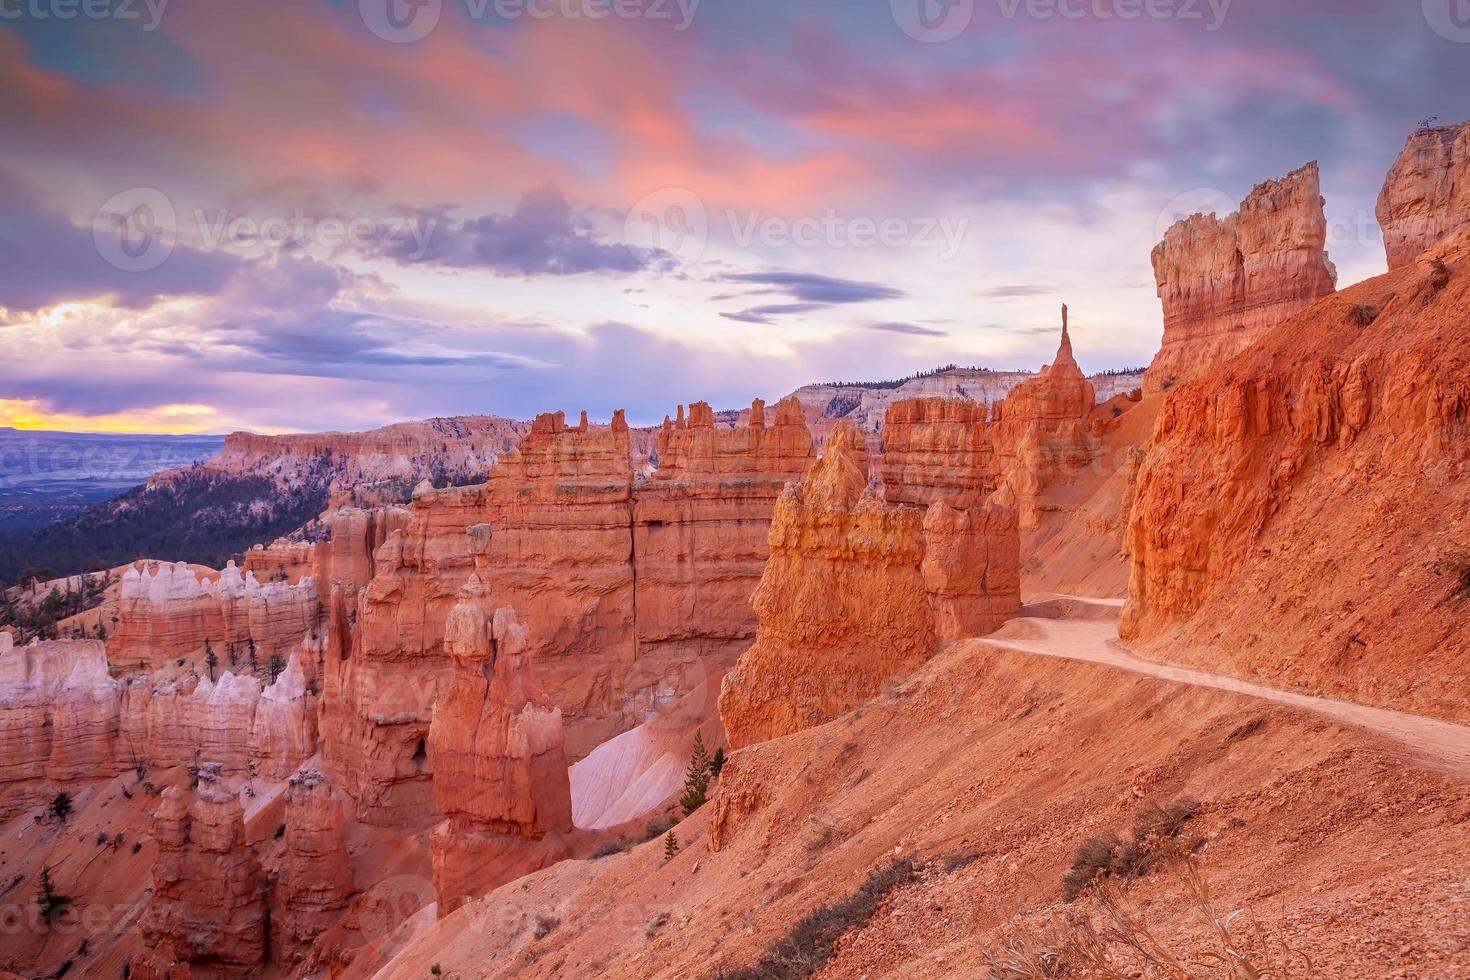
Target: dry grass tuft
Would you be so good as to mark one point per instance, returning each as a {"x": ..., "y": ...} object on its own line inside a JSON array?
[{"x": 1118, "y": 943}]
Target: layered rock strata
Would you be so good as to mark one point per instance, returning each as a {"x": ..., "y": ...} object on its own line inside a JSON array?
[
  {"x": 1225, "y": 282},
  {"x": 315, "y": 878},
  {"x": 171, "y": 611},
  {"x": 1426, "y": 195},
  {"x": 633, "y": 590},
  {"x": 500, "y": 767},
  {"x": 208, "y": 900}
]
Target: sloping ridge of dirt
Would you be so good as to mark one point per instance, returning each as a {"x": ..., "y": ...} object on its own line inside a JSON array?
[{"x": 990, "y": 765}]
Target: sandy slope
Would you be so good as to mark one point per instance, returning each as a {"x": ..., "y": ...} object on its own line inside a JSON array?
[
  {"x": 1012, "y": 751},
  {"x": 1077, "y": 628}
]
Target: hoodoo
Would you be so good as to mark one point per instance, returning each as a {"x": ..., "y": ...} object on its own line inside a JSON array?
[
  {"x": 1426, "y": 195},
  {"x": 1225, "y": 282},
  {"x": 500, "y": 767}
]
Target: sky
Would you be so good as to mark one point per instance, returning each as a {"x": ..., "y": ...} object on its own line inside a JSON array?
[{"x": 289, "y": 215}]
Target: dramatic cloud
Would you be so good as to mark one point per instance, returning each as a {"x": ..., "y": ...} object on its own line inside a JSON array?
[
  {"x": 48, "y": 260},
  {"x": 542, "y": 236}
]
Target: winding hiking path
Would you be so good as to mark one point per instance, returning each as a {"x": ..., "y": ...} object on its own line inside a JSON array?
[{"x": 1078, "y": 628}]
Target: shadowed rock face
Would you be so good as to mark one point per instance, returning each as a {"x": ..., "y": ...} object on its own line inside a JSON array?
[
  {"x": 1225, "y": 282},
  {"x": 858, "y": 591},
  {"x": 1426, "y": 195}
]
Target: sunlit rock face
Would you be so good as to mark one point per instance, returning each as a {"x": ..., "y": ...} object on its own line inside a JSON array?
[
  {"x": 1225, "y": 282},
  {"x": 859, "y": 591},
  {"x": 59, "y": 712},
  {"x": 1426, "y": 195}
]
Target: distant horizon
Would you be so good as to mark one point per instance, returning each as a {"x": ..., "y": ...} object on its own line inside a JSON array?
[{"x": 637, "y": 424}]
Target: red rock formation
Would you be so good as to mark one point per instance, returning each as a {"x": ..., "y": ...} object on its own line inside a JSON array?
[
  {"x": 1427, "y": 194},
  {"x": 357, "y": 533},
  {"x": 500, "y": 769},
  {"x": 1038, "y": 430},
  {"x": 937, "y": 449},
  {"x": 283, "y": 731},
  {"x": 700, "y": 528},
  {"x": 1225, "y": 282},
  {"x": 1332, "y": 452},
  {"x": 159, "y": 963},
  {"x": 570, "y": 533},
  {"x": 170, "y": 612},
  {"x": 208, "y": 890},
  {"x": 386, "y": 660},
  {"x": 561, "y": 554},
  {"x": 842, "y": 605},
  {"x": 315, "y": 878},
  {"x": 58, "y": 718},
  {"x": 972, "y": 566}
]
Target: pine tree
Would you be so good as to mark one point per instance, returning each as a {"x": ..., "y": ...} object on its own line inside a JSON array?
[
  {"x": 671, "y": 844},
  {"x": 211, "y": 660},
  {"x": 696, "y": 778},
  {"x": 717, "y": 762}
]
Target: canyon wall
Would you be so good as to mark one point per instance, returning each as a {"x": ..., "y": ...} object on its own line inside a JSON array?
[
  {"x": 172, "y": 611},
  {"x": 634, "y": 590},
  {"x": 1333, "y": 451},
  {"x": 1426, "y": 195},
  {"x": 498, "y": 751},
  {"x": 1225, "y": 282}
]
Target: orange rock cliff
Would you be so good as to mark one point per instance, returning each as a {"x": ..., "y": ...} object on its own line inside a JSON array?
[{"x": 1226, "y": 281}]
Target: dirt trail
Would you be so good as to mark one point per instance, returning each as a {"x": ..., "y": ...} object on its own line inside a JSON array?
[{"x": 1078, "y": 628}]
